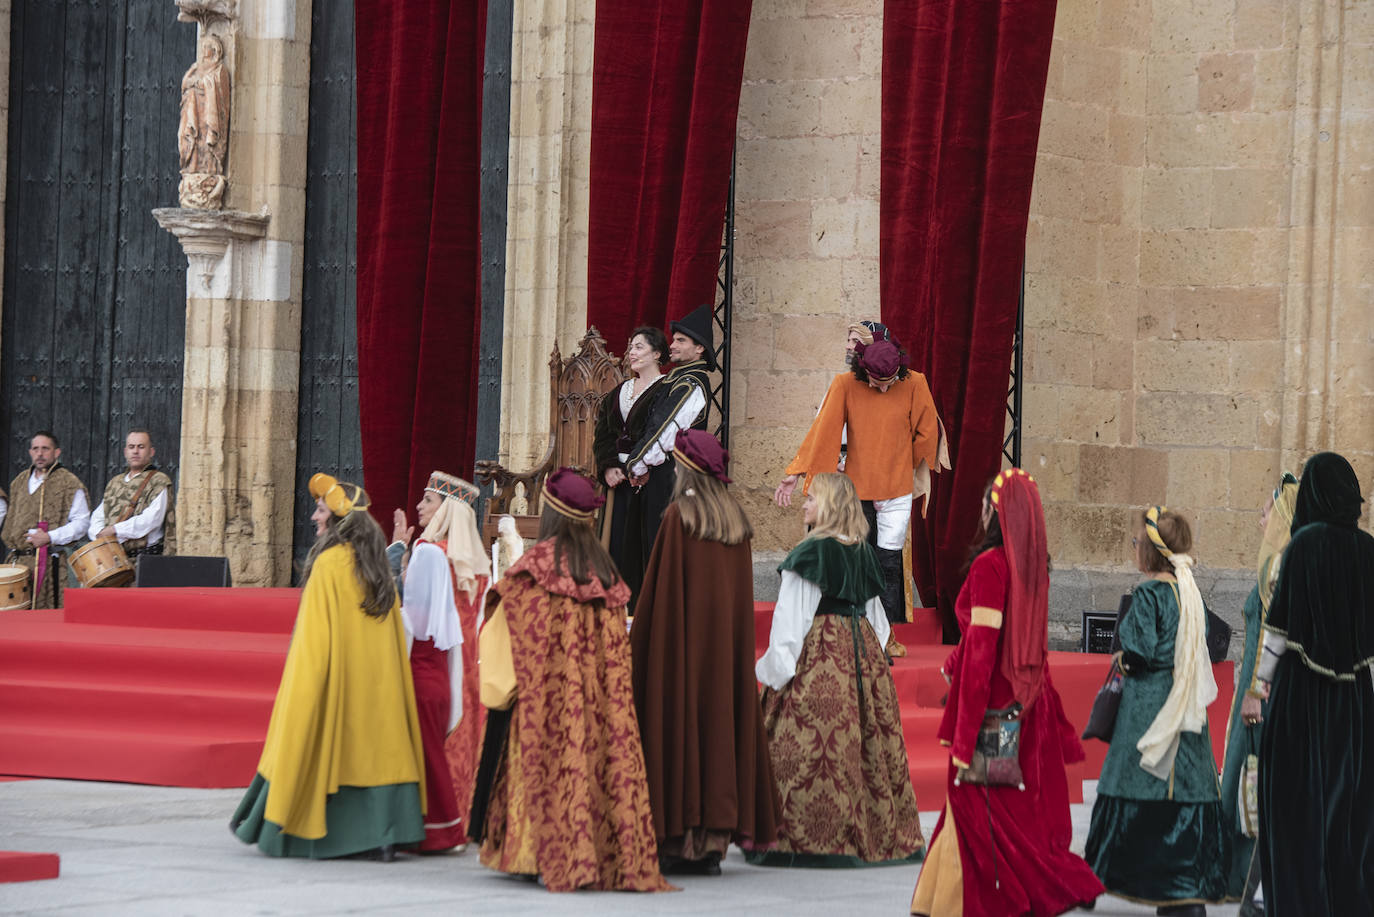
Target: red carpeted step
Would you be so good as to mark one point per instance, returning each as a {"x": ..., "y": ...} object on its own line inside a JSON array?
[
  {"x": 264, "y": 611},
  {"x": 242, "y": 712},
  {"x": 145, "y": 655},
  {"x": 200, "y": 758},
  {"x": 17, "y": 866}
]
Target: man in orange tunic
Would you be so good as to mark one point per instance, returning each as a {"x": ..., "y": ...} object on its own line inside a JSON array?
[{"x": 895, "y": 441}]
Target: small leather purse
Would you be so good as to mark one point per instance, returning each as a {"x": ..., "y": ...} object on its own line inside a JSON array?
[{"x": 997, "y": 752}]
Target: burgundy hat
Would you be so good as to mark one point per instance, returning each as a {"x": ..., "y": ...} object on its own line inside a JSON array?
[
  {"x": 882, "y": 360},
  {"x": 572, "y": 495},
  {"x": 702, "y": 452}
]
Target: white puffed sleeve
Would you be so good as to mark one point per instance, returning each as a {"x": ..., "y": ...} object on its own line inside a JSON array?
[{"x": 792, "y": 616}]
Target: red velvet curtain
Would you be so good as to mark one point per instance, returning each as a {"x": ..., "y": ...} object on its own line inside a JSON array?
[
  {"x": 963, "y": 86},
  {"x": 419, "y": 68},
  {"x": 665, "y": 92}
]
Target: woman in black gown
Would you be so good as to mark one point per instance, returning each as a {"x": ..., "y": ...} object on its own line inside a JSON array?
[
  {"x": 1317, "y": 753},
  {"x": 632, "y": 514}
]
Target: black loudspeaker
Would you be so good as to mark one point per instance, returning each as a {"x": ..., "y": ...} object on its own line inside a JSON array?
[{"x": 173, "y": 570}]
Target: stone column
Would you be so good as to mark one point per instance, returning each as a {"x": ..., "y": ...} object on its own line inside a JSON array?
[
  {"x": 546, "y": 242},
  {"x": 243, "y": 300},
  {"x": 1328, "y": 367}
]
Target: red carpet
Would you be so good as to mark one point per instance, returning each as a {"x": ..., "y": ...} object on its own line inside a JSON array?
[
  {"x": 921, "y": 692},
  {"x": 175, "y": 687},
  {"x": 163, "y": 686},
  {"x": 26, "y": 867}
]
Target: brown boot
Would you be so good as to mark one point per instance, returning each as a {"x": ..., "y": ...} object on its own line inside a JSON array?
[{"x": 894, "y": 648}]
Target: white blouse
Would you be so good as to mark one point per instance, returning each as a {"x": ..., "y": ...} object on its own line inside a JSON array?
[
  {"x": 429, "y": 613},
  {"x": 793, "y": 615}
]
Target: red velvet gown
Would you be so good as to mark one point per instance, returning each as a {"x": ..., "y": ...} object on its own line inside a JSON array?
[
  {"x": 1012, "y": 845},
  {"x": 429, "y": 667}
]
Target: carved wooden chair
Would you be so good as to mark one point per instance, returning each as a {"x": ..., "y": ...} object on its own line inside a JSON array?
[{"x": 577, "y": 386}]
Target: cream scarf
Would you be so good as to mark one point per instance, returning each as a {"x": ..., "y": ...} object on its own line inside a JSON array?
[
  {"x": 1194, "y": 688},
  {"x": 455, "y": 522}
]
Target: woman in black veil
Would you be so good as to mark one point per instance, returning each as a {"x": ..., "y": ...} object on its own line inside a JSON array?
[{"x": 1317, "y": 754}]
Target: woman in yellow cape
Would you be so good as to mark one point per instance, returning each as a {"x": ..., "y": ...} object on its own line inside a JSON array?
[{"x": 342, "y": 770}]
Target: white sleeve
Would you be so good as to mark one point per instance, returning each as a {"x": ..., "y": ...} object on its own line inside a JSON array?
[
  {"x": 97, "y": 522},
  {"x": 428, "y": 608},
  {"x": 877, "y": 617},
  {"x": 4, "y": 509},
  {"x": 78, "y": 518},
  {"x": 792, "y": 616},
  {"x": 145, "y": 523},
  {"x": 1271, "y": 651},
  {"x": 657, "y": 452}
]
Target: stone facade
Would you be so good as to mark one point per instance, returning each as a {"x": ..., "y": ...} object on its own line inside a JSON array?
[
  {"x": 806, "y": 243},
  {"x": 1198, "y": 292}
]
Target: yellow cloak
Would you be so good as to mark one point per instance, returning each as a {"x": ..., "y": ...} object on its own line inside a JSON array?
[{"x": 345, "y": 711}]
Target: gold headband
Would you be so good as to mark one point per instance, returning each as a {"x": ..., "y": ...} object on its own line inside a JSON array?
[
  {"x": 1002, "y": 478},
  {"x": 1152, "y": 529},
  {"x": 682, "y": 459},
  {"x": 564, "y": 509}
]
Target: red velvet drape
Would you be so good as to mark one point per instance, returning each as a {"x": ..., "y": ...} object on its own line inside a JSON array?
[
  {"x": 963, "y": 87},
  {"x": 665, "y": 92},
  {"x": 419, "y": 90}
]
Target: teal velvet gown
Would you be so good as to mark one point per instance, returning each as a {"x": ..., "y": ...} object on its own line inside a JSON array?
[
  {"x": 1157, "y": 842},
  {"x": 1242, "y": 740}
]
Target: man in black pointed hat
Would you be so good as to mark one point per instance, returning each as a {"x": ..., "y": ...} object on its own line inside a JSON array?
[{"x": 680, "y": 403}]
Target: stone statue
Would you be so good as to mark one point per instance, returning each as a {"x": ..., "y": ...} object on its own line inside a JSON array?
[{"x": 203, "y": 132}]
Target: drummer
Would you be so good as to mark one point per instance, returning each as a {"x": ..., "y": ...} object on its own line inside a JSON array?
[
  {"x": 48, "y": 510},
  {"x": 137, "y": 509}
]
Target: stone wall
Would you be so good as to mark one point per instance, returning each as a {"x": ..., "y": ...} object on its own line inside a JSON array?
[
  {"x": 1198, "y": 289},
  {"x": 806, "y": 244}
]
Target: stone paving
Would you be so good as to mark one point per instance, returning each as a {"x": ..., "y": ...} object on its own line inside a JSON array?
[{"x": 159, "y": 852}]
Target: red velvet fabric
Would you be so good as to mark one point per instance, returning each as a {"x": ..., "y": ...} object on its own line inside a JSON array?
[
  {"x": 419, "y": 150},
  {"x": 665, "y": 92},
  {"x": 963, "y": 86}
]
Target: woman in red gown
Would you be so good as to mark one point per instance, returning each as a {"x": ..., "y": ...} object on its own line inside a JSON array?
[{"x": 1004, "y": 849}]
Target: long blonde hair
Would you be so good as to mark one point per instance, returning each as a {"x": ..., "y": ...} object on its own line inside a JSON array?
[
  {"x": 839, "y": 514},
  {"x": 709, "y": 511}
]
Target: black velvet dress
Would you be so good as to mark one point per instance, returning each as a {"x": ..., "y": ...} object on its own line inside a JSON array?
[
  {"x": 632, "y": 516},
  {"x": 1317, "y": 752}
]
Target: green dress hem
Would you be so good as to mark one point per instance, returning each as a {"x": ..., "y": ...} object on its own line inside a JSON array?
[{"x": 357, "y": 819}]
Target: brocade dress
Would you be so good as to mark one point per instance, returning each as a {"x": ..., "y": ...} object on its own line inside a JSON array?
[
  {"x": 561, "y": 787},
  {"x": 1242, "y": 740},
  {"x": 1153, "y": 841},
  {"x": 831, "y": 713}
]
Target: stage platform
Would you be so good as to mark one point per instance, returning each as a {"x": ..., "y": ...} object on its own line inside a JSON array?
[{"x": 174, "y": 687}]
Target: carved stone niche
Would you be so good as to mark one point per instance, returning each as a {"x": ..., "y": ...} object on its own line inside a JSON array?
[
  {"x": 205, "y": 234},
  {"x": 206, "y": 11}
]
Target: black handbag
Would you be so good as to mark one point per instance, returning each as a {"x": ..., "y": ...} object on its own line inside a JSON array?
[
  {"x": 1102, "y": 720},
  {"x": 1218, "y": 631}
]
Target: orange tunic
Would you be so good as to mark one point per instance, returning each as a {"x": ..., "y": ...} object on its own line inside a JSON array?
[{"x": 889, "y": 435}]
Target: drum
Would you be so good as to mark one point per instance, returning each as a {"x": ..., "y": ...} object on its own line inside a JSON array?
[
  {"x": 102, "y": 563},
  {"x": 14, "y": 587}
]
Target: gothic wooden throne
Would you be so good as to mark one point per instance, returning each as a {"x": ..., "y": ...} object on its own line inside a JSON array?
[{"x": 576, "y": 386}]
